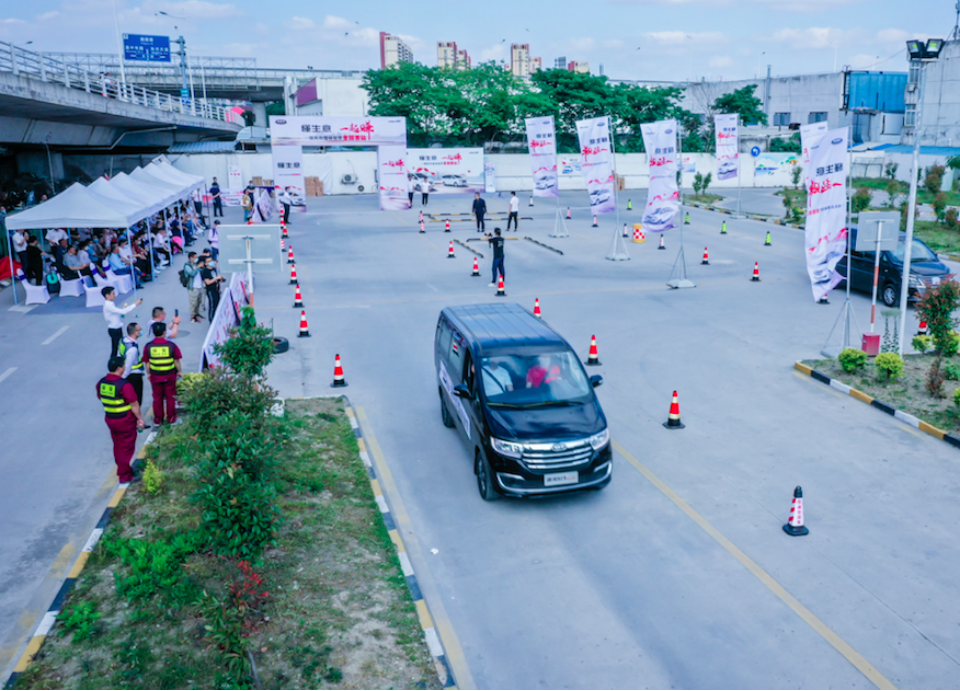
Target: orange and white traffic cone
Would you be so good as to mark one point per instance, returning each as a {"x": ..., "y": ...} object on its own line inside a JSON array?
[
  {"x": 338, "y": 379},
  {"x": 673, "y": 419},
  {"x": 447, "y": 229},
  {"x": 304, "y": 329},
  {"x": 922, "y": 331},
  {"x": 293, "y": 275},
  {"x": 476, "y": 267},
  {"x": 794, "y": 525},
  {"x": 297, "y": 298},
  {"x": 283, "y": 244},
  {"x": 536, "y": 308},
  {"x": 593, "y": 358},
  {"x": 595, "y": 222},
  {"x": 568, "y": 213},
  {"x": 290, "y": 255},
  {"x": 501, "y": 292},
  {"x": 421, "y": 217},
  {"x": 626, "y": 233},
  {"x": 661, "y": 246},
  {"x": 756, "y": 271},
  {"x": 450, "y": 254},
  {"x": 283, "y": 227},
  {"x": 531, "y": 201},
  {"x": 706, "y": 257},
  {"x": 422, "y": 229}
]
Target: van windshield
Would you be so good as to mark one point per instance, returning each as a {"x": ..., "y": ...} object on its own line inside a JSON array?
[
  {"x": 528, "y": 381},
  {"x": 919, "y": 253}
]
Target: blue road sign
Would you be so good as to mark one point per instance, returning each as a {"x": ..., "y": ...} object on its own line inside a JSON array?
[
  {"x": 146, "y": 48},
  {"x": 755, "y": 151}
]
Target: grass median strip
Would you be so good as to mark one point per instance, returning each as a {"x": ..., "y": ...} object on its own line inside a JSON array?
[{"x": 324, "y": 605}]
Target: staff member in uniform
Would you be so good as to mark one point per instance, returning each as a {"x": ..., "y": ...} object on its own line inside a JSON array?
[
  {"x": 122, "y": 415},
  {"x": 129, "y": 350},
  {"x": 162, "y": 358}
]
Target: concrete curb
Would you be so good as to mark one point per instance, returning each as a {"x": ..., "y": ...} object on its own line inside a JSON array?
[
  {"x": 50, "y": 616},
  {"x": 764, "y": 219},
  {"x": 879, "y": 405},
  {"x": 423, "y": 612}
]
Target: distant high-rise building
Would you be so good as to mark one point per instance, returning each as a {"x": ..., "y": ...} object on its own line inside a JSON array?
[
  {"x": 463, "y": 60},
  {"x": 446, "y": 54},
  {"x": 601, "y": 70},
  {"x": 574, "y": 66},
  {"x": 393, "y": 50},
  {"x": 520, "y": 59},
  {"x": 560, "y": 63},
  {"x": 536, "y": 64}
]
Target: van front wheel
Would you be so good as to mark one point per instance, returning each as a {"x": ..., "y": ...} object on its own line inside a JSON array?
[
  {"x": 890, "y": 295},
  {"x": 485, "y": 478},
  {"x": 445, "y": 414}
]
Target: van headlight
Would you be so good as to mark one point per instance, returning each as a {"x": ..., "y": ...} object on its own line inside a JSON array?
[
  {"x": 598, "y": 441},
  {"x": 506, "y": 448},
  {"x": 916, "y": 281}
]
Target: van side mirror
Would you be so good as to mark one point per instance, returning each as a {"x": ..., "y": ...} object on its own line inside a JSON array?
[
  {"x": 596, "y": 380},
  {"x": 461, "y": 391}
]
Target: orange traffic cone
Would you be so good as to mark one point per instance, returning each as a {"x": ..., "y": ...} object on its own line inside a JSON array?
[
  {"x": 706, "y": 258},
  {"x": 450, "y": 254},
  {"x": 594, "y": 357},
  {"x": 304, "y": 329},
  {"x": 422, "y": 229},
  {"x": 756, "y": 271},
  {"x": 794, "y": 525},
  {"x": 283, "y": 244},
  {"x": 421, "y": 217},
  {"x": 447, "y": 229},
  {"x": 568, "y": 213},
  {"x": 661, "y": 246},
  {"x": 625, "y": 233},
  {"x": 338, "y": 379},
  {"x": 290, "y": 255},
  {"x": 297, "y": 298},
  {"x": 293, "y": 275},
  {"x": 501, "y": 292},
  {"x": 531, "y": 201},
  {"x": 283, "y": 226},
  {"x": 673, "y": 419},
  {"x": 250, "y": 222},
  {"x": 595, "y": 222},
  {"x": 922, "y": 331},
  {"x": 536, "y": 308},
  {"x": 476, "y": 267}
]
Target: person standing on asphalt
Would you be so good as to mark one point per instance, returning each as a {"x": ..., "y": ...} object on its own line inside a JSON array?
[
  {"x": 211, "y": 280},
  {"x": 410, "y": 190},
  {"x": 217, "y": 201},
  {"x": 34, "y": 266},
  {"x": 122, "y": 415},
  {"x": 194, "y": 285},
  {"x": 197, "y": 197},
  {"x": 213, "y": 237},
  {"x": 158, "y": 316},
  {"x": 114, "y": 317},
  {"x": 514, "y": 212},
  {"x": 162, "y": 358},
  {"x": 479, "y": 209},
  {"x": 497, "y": 243},
  {"x": 20, "y": 246},
  {"x": 129, "y": 350},
  {"x": 424, "y": 192}
]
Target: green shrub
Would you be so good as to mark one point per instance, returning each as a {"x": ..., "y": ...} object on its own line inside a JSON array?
[
  {"x": 249, "y": 349},
  {"x": 952, "y": 217},
  {"x": 952, "y": 345},
  {"x": 154, "y": 567},
  {"x": 852, "y": 359},
  {"x": 952, "y": 372},
  {"x": 956, "y": 397},
  {"x": 940, "y": 205},
  {"x": 935, "y": 378},
  {"x": 936, "y": 308},
  {"x": 889, "y": 364},
  {"x": 220, "y": 393},
  {"x": 239, "y": 515},
  {"x": 152, "y": 477},
  {"x": 80, "y": 619},
  {"x": 921, "y": 343}
]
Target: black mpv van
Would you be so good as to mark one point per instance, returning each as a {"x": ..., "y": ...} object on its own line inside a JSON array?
[{"x": 522, "y": 402}]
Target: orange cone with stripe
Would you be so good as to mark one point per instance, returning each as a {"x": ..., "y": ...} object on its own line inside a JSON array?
[
  {"x": 304, "y": 329},
  {"x": 293, "y": 275},
  {"x": 595, "y": 222},
  {"x": 536, "y": 308},
  {"x": 421, "y": 217},
  {"x": 673, "y": 419},
  {"x": 501, "y": 291},
  {"x": 661, "y": 246},
  {"x": 794, "y": 525},
  {"x": 922, "y": 330},
  {"x": 447, "y": 229},
  {"x": 476, "y": 267},
  {"x": 450, "y": 254},
  {"x": 283, "y": 227},
  {"x": 338, "y": 379},
  {"x": 283, "y": 244},
  {"x": 422, "y": 229},
  {"x": 706, "y": 257},
  {"x": 568, "y": 213},
  {"x": 297, "y": 298},
  {"x": 593, "y": 358},
  {"x": 756, "y": 271},
  {"x": 290, "y": 255}
]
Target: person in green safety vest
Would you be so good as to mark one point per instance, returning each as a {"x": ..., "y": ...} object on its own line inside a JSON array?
[{"x": 122, "y": 415}]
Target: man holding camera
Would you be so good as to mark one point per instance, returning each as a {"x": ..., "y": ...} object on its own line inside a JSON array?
[
  {"x": 496, "y": 242},
  {"x": 212, "y": 280}
]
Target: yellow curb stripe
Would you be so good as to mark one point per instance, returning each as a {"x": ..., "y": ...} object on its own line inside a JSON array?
[
  {"x": 349, "y": 411},
  {"x": 117, "y": 496},
  {"x": 803, "y": 368},
  {"x": 78, "y": 567},
  {"x": 426, "y": 621},
  {"x": 375, "y": 486},
  {"x": 841, "y": 646},
  {"x": 860, "y": 396},
  {"x": 930, "y": 429},
  {"x": 361, "y": 444},
  {"x": 397, "y": 540},
  {"x": 32, "y": 649}
]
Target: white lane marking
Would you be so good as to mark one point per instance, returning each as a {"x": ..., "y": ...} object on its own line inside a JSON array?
[
  {"x": 54, "y": 337},
  {"x": 6, "y": 374},
  {"x": 22, "y": 308}
]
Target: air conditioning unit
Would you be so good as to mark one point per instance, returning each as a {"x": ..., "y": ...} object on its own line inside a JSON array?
[
  {"x": 911, "y": 87},
  {"x": 349, "y": 179}
]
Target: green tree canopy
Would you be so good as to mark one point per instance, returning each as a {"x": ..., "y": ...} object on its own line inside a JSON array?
[{"x": 743, "y": 102}]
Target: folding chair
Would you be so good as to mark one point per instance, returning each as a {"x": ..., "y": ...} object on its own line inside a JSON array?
[
  {"x": 94, "y": 296},
  {"x": 72, "y": 288},
  {"x": 36, "y": 295}
]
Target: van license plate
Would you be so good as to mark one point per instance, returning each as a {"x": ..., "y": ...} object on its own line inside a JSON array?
[{"x": 554, "y": 479}]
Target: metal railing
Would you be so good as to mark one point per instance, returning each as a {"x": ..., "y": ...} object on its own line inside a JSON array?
[{"x": 54, "y": 70}]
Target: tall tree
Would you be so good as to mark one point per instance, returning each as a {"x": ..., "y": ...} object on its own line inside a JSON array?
[
  {"x": 635, "y": 105},
  {"x": 745, "y": 103},
  {"x": 576, "y": 96}
]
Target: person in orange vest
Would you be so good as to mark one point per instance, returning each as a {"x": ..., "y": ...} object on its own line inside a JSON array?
[
  {"x": 122, "y": 415},
  {"x": 162, "y": 358}
]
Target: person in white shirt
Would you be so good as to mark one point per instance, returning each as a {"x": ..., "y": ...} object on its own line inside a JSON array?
[
  {"x": 514, "y": 211},
  {"x": 114, "y": 317},
  {"x": 55, "y": 235},
  {"x": 20, "y": 246},
  {"x": 213, "y": 237}
]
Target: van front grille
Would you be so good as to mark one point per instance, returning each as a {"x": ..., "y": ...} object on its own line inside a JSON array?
[{"x": 558, "y": 456}]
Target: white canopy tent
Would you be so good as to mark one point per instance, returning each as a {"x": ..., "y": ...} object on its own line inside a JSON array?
[
  {"x": 113, "y": 197},
  {"x": 165, "y": 171},
  {"x": 75, "y": 207},
  {"x": 175, "y": 190},
  {"x": 154, "y": 199}
]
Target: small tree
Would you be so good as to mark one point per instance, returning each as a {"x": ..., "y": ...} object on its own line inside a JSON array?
[
  {"x": 788, "y": 207},
  {"x": 795, "y": 176},
  {"x": 940, "y": 205},
  {"x": 697, "y": 183},
  {"x": 707, "y": 179},
  {"x": 249, "y": 349},
  {"x": 952, "y": 218},
  {"x": 890, "y": 170},
  {"x": 861, "y": 200},
  {"x": 893, "y": 193},
  {"x": 934, "y": 179},
  {"x": 936, "y": 308}
]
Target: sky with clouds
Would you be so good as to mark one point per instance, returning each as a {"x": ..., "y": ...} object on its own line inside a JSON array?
[{"x": 633, "y": 39}]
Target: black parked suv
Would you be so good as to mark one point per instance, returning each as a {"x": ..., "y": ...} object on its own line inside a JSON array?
[
  {"x": 521, "y": 401},
  {"x": 926, "y": 270}
]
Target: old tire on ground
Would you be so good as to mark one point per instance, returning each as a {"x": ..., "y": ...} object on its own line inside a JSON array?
[{"x": 280, "y": 345}]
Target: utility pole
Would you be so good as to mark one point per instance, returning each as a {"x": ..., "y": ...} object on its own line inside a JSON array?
[{"x": 184, "y": 88}]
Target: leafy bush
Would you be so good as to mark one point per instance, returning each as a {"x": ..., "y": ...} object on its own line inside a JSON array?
[
  {"x": 952, "y": 345},
  {"x": 890, "y": 170},
  {"x": 952, "y": 218},
  {"x": 249, "y": 349},
  {"x": 189, "y": 380},
  {"x": 936, "y": 308},
  {"x": 893, "y": 192},
  {"x": 889, "y": 364},
  {"x": 852, "y": 359},
  {"x": 218, "y": 394},
  {"x": 795, "y": 176},
  {"x": 940, "y": 205},
  {"x": 934, "y": 179},
  {"x": 921, "y": 344},
  {"x": 239, "y": 515},
  {"x": 698, "y": 183},
  {"x": 861, "y": 200},
  {"x": 152, "y": 477},
  {"x": 81, "y": 619},
  {"x": 154, "y": 567},
  {"x": 952, "y": 372},
  {"x": 956, "y": 397}
]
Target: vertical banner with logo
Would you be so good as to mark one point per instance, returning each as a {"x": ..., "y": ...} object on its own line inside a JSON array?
[
  {"x": 542, "y": 141},
  {"x": 489, "y": 175},
  {"x": 318, "y": 130},
  {"x": 597, "y": 163},
  {"x": 728, "y": 146},
  {"x": 663, "y": 197},
  {"x": 810, "y": 136},
  {"x": 392, "y": 177},
  {"x": 234, "y": 179},
  {"x": 826, "y": 227},
  {"x": 288, "y": 183}
]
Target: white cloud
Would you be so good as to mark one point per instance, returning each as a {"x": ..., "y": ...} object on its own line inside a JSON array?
[
  {"x": 612, "y": 43},
  {"x": 191, "y": 9},
  {"x": 803, "y": 5},
  {"x": 48, "y": 15},
  {"x": 496, "y": 52},
  {"x": 682, "y": 39},
  {"x": 718, "y": 62},
  {"x": 814, "y": 37},
  {"x": 582, "y": 45},
  {"x": 12, "y": 21},
  {"x": 301, "y": 23},
  {"x": 333, "y": 22}
]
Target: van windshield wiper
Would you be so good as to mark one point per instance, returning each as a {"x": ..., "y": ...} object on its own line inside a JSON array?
[
  {"x": 548, "y": 403},
  {"x": 505, "y": 405}
]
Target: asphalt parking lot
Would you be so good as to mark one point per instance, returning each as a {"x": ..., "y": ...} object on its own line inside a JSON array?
[{"x": 678, "y": 574}]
